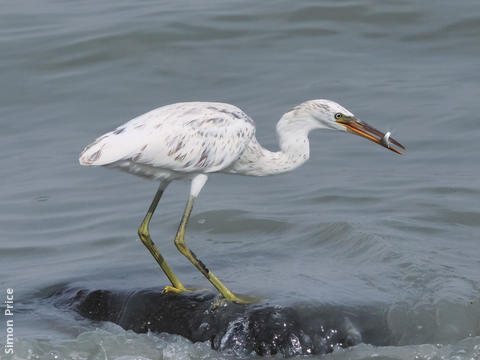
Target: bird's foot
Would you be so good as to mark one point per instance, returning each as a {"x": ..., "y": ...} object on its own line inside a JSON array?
[
  {"x": 238, "y": 299},
  {"x": 173, "y": 290}
]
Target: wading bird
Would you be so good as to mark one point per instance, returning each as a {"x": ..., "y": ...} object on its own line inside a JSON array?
[{"x": 194, "y": 139}]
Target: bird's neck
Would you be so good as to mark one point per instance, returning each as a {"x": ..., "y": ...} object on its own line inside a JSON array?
[{"x": 294, "y": 150}]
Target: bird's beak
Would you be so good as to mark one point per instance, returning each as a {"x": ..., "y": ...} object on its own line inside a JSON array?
[{"x": 361, "y": 128}]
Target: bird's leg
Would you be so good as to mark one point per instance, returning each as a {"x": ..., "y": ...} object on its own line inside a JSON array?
[
  {"x": 144, "y": 235},
  {"x": 190, "y": 255}
]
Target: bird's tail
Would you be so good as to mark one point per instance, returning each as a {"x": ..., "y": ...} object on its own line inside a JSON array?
[
  {"x": 104, "y": 150},
  {"x": 92, "y": 153}
]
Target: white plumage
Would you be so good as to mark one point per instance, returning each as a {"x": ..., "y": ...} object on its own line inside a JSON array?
[
  {"x": 204, "y": 137},
  {"x": 194, "y": 139},
  {"x": 175, "y": 140}
]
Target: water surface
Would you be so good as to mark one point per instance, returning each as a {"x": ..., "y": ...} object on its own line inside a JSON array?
[{"x": 356, "y": 226}]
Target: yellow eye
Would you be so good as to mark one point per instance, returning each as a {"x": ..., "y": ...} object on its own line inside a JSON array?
[{"x": 338, "y": 116}]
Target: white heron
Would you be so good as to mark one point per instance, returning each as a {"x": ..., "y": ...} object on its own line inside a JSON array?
[{"x": 194, "y": 139}]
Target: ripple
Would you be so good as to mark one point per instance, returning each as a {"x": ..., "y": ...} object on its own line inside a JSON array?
[
  {"x": 461, "y": 29},
  {"x": 453, "y": 217},
  {"x": 230, "y": 221}
]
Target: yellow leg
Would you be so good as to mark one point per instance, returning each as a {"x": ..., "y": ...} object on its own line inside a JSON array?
[
  {"x": 190, "y": 255},
  {"x": 144, "y": 235}
]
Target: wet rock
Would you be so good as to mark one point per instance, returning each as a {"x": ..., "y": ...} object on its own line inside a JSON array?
[{"x": 262, "y": 328}]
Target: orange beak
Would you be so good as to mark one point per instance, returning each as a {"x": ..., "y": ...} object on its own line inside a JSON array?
[{"x": 362, "y": 129}]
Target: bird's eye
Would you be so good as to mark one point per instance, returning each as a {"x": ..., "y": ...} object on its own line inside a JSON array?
[{"x": 338, "y": 116}]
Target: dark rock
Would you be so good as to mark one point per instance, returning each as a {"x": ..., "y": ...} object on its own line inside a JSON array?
[{"x": 262, "y": 328}]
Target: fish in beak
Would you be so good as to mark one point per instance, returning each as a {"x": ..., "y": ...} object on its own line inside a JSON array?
[{"x": 361, "y": 128}]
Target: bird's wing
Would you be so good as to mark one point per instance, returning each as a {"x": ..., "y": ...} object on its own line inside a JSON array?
[{"x": 183, "y": 137}]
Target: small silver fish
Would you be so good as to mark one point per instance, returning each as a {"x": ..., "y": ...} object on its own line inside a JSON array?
[{"x": 385, "y": 140}]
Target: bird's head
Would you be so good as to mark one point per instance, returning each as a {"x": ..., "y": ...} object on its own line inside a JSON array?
[{"x": 330, "y": 115}]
